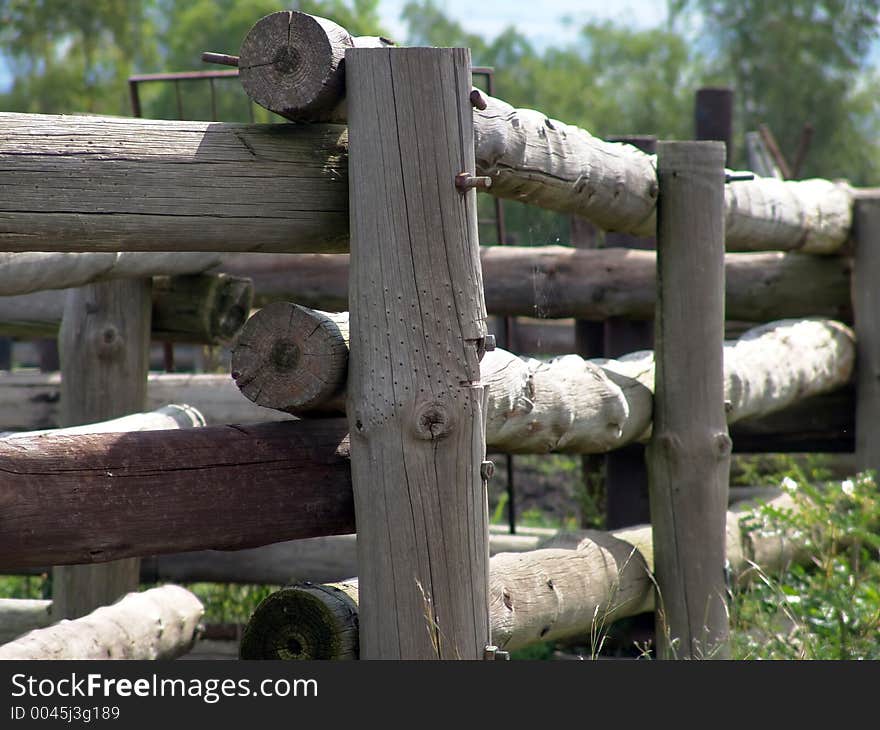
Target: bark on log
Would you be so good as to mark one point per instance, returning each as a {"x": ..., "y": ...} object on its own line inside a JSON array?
[
  {"x": 23, "y": 273},
  {"x": 534, "y": 159},
  {"x": 205, "y": 309},
  {"x": 293, "y": 359},
  {"x": 161, "y": 623},
  {"x": 586, "y": 406},
  {"x": 97, "y": 497},
  {"x": 19, "y": 615},
  {"x": 548, "y": 594},
  {"x": 595, "y": 284},
  {"x": 84, "y": 183}
]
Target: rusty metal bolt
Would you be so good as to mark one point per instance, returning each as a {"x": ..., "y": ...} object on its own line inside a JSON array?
[{"x": 464, "y": 181}]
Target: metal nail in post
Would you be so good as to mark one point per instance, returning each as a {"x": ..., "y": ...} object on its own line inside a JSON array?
[{"x": 464, "y": 181}]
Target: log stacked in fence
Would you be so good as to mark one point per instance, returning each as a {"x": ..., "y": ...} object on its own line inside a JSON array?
[
  {"x": 205, "y": 309},
  {"x": 574, "y": 587},
  {"x": 594, "y": 284},
  {"x": 571, "y": 404},
  {"x": 161, "y": 623}
]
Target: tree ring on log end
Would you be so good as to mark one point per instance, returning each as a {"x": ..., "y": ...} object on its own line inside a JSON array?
[
  {"x": 291, "y": 358},
  {"x": 302, "y": 623},
  {"x": 291, "y": 63}
]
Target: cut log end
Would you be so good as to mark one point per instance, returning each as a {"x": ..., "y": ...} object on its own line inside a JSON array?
[
  {"x": 326, "y": 624},
  {"x": 292, "y": 359},
  {"x": 290, "y": 64}
]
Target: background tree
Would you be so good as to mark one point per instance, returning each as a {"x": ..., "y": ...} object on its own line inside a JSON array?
[{"x": 797, "y": 61}]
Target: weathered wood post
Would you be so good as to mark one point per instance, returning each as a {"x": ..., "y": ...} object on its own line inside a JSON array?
[
  {"x": 415, "y": 401},
  {"x": 104, "y": 344},
  {"x": 866, "y": 310},
  {"x": 689, "y": 451}
]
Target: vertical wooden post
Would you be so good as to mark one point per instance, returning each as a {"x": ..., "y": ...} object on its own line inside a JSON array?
[
  {"x": 689, "y": 451},
  {"x": 415, "y": 402},
  {"x": 713, "y": 116},
  {"x": 866, "y": 311},
  {"x": 104, "y": 349}
]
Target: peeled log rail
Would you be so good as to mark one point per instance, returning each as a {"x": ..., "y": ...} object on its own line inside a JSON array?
[
  {"x": 161, "y": 623},
  {"x": 541, "y": 595},
  {"x": 595, "y": 284},
  {"x": 571, "y": 404},
  {"x": 113, "y": 184},
  {"x": 86, "y": 183},
  {"x": 165, "y": 418},
  {"x": 204, "y": 309},
  {"x": 97, "y": 497},
  {"x": 30, "y": 401},
  {"x": 534, "y": 159},
  {"x": 23, "y": 273}
]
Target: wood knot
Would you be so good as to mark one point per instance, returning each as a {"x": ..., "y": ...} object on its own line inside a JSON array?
[
  {"x": 433, "y": 420},
  {"x": 108, "y": 342},
  {"x": 285, "y": 355},
  {"x": 723, "y": 445}
]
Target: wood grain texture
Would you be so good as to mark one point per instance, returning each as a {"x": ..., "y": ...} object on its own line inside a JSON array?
[
  {"x": 567, "y": 403},
  {"x": 559, "y": 281},
  {"x": 160, "y": 623},
  {"x": 104, "y": 346},
  {"x": 689, "y": 451},
  {"x": 91, "y": 498},
  {"x": 866, "y": 305},
  {"x": 30, "y": 401},
  {"x": 291, "y": 63},
  {"x": 82, "y": 183},
  {"x": 576, "y": 585},
  {"x": 26, "y": 272},
  {"x": 415, "y": 403},
  {"x": 326, "y": 625},
  {"x": 205, "y": 309},
  {"x": 293, "y": 359},
  {"x": 167, "y": 417}
]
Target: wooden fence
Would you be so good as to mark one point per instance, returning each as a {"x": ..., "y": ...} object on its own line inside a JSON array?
[{"x": 378, "y": 411}]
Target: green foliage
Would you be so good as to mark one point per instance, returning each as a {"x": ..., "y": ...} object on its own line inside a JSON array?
[
  {"x": 829, "y": 606},
  {"x": 24, "y": 586},
  {"x": 797, "y": 61}
]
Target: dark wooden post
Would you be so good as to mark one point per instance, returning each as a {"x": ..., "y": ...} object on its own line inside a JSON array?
[
  {"x": 626, "y": 474},
  {"x": 689, "y": 451},
  {"x": 713, "y": 116},
  {"x": 417, "y": 327},
  {"x": 866, "y": 310},
  {"x": 104, "y": 344}
]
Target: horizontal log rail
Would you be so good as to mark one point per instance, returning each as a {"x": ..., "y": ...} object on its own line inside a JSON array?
[
  {"x": 23, "y": 273},
  {"x": 202, "y": 309},
  {"x": 565, "y": 404},
  {"x": 97, "y": 497},
  {"x": 110, "y": 184},
  {"x": 160, "y": 623},
  {"x": 534, "y": 159},
  {"x": 552, "y": 593},
  {"x": 594, "y": 284}
]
